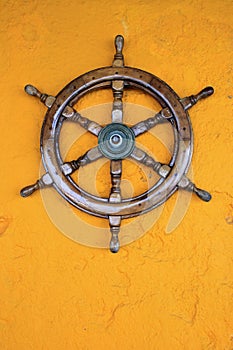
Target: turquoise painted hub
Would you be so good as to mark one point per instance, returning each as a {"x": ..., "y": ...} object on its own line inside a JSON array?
[{"x": 116, "y": 141}]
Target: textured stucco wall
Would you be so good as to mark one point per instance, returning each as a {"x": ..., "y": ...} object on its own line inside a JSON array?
[{"x": 163, "y": 291}]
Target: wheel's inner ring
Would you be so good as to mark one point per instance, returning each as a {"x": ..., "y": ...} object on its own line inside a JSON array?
[{"x": 171, "y": 162}]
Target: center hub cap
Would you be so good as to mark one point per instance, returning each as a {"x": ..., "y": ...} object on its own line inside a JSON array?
[{"x": 116, "y": 141}]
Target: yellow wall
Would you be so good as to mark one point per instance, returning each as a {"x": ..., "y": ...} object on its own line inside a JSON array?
[{"x": 163, "y": 291}]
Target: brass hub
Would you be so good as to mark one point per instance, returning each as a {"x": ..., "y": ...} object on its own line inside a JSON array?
[{"x": 116, "y": 141}]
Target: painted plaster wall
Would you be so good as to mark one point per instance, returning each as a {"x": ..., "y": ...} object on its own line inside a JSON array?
[{"x": 163, "y": 291}]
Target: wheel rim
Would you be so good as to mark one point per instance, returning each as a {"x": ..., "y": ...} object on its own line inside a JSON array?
[{"x": 50, "y": 142}]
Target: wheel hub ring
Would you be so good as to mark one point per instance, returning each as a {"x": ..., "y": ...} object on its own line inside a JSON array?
[{"x": 116, "y": 141}]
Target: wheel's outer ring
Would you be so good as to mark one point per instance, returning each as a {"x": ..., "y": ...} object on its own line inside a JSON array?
[{"x": 50, "y": 142}]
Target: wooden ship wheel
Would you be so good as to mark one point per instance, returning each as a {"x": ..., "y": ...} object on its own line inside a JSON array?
[{"x": 116, "y": 142}]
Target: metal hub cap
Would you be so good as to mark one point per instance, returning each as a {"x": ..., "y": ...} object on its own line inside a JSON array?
[{"x": 116, "y": 141}]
